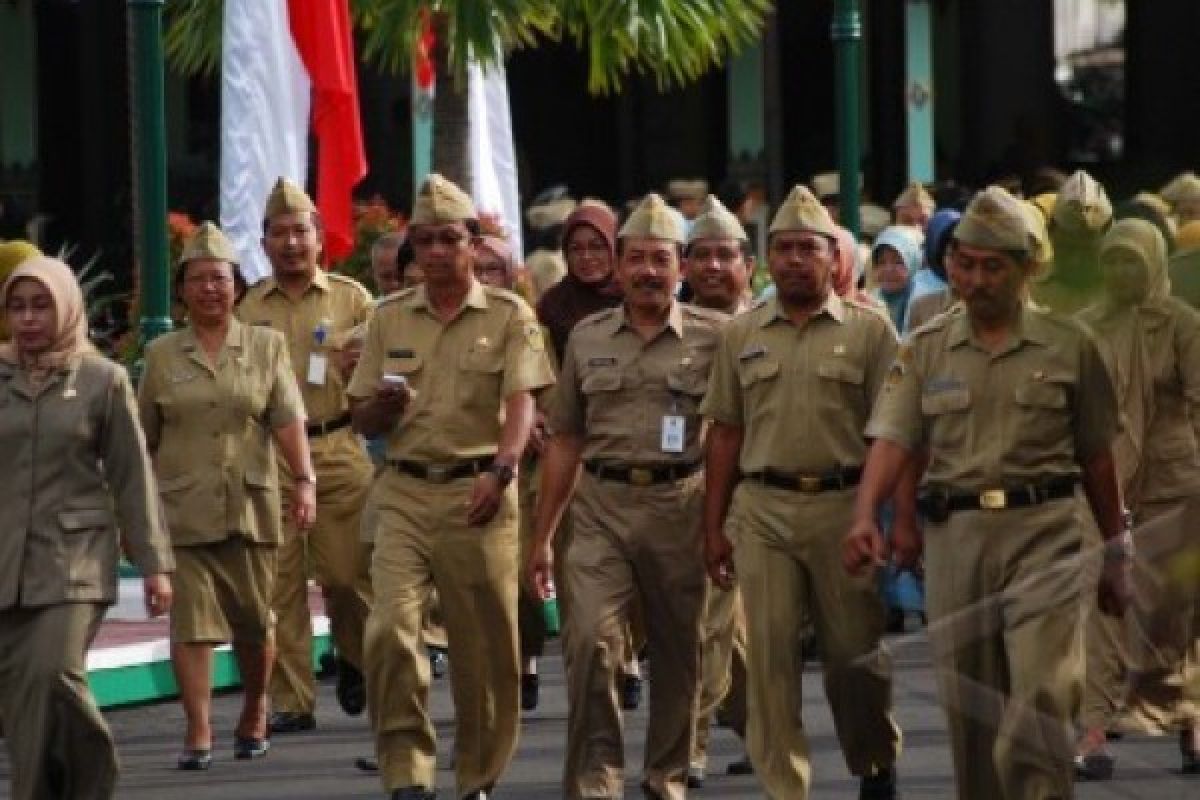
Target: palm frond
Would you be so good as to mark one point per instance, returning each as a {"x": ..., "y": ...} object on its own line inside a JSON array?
[{"x": 192, "y": 35}]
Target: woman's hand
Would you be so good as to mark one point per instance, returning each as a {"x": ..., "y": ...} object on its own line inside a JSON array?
[{"x": 304, "y": 504}]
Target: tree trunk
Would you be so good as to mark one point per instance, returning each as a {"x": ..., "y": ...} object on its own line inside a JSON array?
[{"x": 451, "y": 133}]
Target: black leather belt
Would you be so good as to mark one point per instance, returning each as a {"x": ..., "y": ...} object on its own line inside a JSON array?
[
  {"x": 442, "y": 473},
  {"x": 328, "y": 426},
  {"x": 639, "y": 475},
  {"x": 938, "y": 503},
  {"x": 842, "y": 478}
]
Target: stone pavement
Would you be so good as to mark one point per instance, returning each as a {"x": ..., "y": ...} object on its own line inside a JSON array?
[{"x": 319, "y": 765}]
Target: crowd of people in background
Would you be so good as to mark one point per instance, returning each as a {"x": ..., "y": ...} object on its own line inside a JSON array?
[{"x": 711, "y": 438}]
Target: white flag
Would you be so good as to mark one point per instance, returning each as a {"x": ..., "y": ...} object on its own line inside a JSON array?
[
  {"x": 494, "y": 166},
  {"x": 264, "y": 121}
]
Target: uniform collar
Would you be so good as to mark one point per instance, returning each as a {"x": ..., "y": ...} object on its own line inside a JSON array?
[
  {"x": 620, "y": 320},
  {"x": 476, "y": 297},
  {"x": 833, "y": 307},
  {"x": 1029, "y": 327},
  {"x": 320, "y": 281},
  {"x": 235, "y": 339}
]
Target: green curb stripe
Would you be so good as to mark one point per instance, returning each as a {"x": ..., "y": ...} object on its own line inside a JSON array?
[{"x": 153, "y": 681}]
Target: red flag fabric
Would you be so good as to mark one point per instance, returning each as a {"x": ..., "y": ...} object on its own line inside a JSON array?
[{"x": 322, "y": 32}]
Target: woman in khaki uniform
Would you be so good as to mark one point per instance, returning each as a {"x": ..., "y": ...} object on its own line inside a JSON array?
[
  {"x": 75, "y": 471},
  {"x": 213, "y": 399}
]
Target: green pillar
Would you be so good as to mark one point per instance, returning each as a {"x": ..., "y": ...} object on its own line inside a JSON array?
[
  {"x": 149, "y": 164},
  {"x": 918, "y": 92},
  {"x": 847, "y": 42},
  {"x": 422, "y": 134}
]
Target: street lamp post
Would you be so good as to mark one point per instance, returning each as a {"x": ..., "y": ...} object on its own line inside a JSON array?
[
  {"x": 149, "y": 164},
  {"x": 847, "y": 41}
]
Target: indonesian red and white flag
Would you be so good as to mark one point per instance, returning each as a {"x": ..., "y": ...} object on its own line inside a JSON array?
[{"x": 285, "y": 63}]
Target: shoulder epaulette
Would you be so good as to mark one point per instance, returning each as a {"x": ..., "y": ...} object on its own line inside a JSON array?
[
  {"x": 597, "y": 317},
  {"x": 402, "y": 294},
  {"x": 704, "y": 313}
]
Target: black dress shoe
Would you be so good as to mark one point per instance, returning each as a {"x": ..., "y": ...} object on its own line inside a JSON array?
[
  {"x": 478, "y": 794},
  {"x": 412, "y": 793},
  {"x": 1095, "y": 766},
  {"x": 631, "y": 692},
  {"x": 1191, "y": 756},
  {"x": 194, "y": 760},
  {"x": 367, "y": 763},
  {"x": 529, "y": 692},
  {"x": 439, "y": 662},
  {"x": 880, "y": 786},
  {"x": 695, "y": 778},
  {"x": 246, "y": 748},
  {"x": 291, "y": 721},
  {"x": 740, "y": 767},
  {"x": 351, "y": 689}
]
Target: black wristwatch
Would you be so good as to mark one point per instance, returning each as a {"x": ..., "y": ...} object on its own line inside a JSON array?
[{"x": 504, "y": 473}]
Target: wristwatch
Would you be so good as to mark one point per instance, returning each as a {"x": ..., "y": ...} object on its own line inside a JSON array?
[{"x": 504, "y": 473}]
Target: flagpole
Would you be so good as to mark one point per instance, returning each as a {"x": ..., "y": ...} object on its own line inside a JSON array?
[{"x": 150, "y": 164}]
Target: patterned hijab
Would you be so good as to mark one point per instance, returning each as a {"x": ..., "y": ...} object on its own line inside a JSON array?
[{"x": 70, "y": 338}]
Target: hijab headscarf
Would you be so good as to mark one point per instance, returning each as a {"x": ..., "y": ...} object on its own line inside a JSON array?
[
  {"x": 570, "y": 300},
  {"x": 1124, "y": 343},
  {"x": 13, "y": 253},
  {"x": 500, "y": 249},
  {"x": 70, "y": 336},
  {"x": 903, "y": 242},
  {"x": 846, "y": 269},
  {"x": 937, "y": 239}
]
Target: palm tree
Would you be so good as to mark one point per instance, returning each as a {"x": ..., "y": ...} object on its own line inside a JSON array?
[{"x": 676, "y": 41}]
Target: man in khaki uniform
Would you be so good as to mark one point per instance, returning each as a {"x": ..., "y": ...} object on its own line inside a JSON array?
[
  {"x": 316, "y": 312},
  {"x": 1014, "y": 408},
  {"x": 439, "y": 362},
  {"x": 793, "y": 382},
  {"x": 718, "y": 264},
  {"x": 1150, "y": 343},
  {"x": 627, "y": 407},
  {"x": 1082, "y": 213}
]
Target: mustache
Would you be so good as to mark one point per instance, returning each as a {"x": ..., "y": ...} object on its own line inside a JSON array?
[{"x": 649, "y": 282}]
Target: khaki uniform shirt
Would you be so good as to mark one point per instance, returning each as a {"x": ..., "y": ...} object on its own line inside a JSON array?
[
  {"x": 75, "y": 472},
  {"x": 802, "y": 394},
  {"x": 616, "y": 388},
  {"x": 209, "y": 427},
  {"x": 461, "y": 371},
  {"x": 317, "y": 324},
  {"x": 1032, "y": 411}
]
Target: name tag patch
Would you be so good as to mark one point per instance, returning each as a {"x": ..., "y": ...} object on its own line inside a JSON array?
[
  {"x": 752, "y": 352},
  {"x": 403, "y": 352},
  {"x": 602, "y": 361}
]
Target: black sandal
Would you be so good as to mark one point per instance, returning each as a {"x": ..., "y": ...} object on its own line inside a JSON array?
[
  {"x": 194, "y": 760},
  {"x": 246, "y": 748}
]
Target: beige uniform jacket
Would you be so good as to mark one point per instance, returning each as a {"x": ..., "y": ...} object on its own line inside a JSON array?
[
  {"x": 319, "y": 323},
  {"x": 1033, "y": 411},
  {"x": 461, "y": 371},
  {"x": 802, "y": 395},
  {"x": 75, "y": 471},
  {"x": 1159, "y": 461},
  {"x": 616, "y": 388},
  {"x": 210, "y": 429}
]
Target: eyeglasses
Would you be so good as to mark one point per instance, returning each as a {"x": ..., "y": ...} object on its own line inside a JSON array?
[
  {"x": 208, "y": 280},
  {"x": 587, "y": 248},
  {"x": 446, "y": 238}
]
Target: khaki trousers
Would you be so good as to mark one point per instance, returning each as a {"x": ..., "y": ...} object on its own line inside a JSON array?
[
  {"x": 630, "y": 543},
  {"x": 423, "y": 542},
  {"x": 787, "y": 552},
  {"x": 531, "y": 628},
  {"x": 1106, "y": 638},
  {"x": 722, "y": 669},
  {"x": 59, "y": 746},
  {"x": 1004, "y": 605},
  {"x": 332, "y": 553}
]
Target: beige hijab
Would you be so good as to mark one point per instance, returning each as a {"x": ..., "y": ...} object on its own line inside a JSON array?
[{"x": 71, "y": 333}]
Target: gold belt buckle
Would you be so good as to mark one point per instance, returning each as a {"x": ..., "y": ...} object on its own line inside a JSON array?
[
  {"x": 993, "y": 500},
  {"x": 437, "y": 473},
  {"x": 809, "y": 483},
  {"x": 640, "y": 476}
]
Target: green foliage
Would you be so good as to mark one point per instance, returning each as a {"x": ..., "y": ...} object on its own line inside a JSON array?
[
  {"x": 676, "y": 41},
  {"x": 98, "y": 300}
]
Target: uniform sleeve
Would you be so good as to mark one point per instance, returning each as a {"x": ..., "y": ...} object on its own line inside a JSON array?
[
  {"x": 284, "y": 404},
  {"x": 127, "y": 468},
  {"x": 1096, "y": 419},
  {"x": 897, "y": 413},
  {"x": 567, "y": 410},
  {"x": 526, "y": 366},
  {"x": 370, "y": 364},
  {"x": 881, "y": 354},
  {"x": 1187, "y": 357},
  {"x": 723, "y": 402},
  {"x": 147, "y": 399}
]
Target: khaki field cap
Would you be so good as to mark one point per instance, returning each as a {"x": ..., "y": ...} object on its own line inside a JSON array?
[
  {"x": 1082, "y": 208},
  {"x": 915, "y": 195},
  {"x": 803, "y": 212},
  {"x": 995, "y": 220},
  {"x": 829, "y": 184},
  {"x": 692, "y": 189},
  {"x": 1185, "y": 183},
  {"x": 440, "y": 202},
  {"x": 208, "y": 242},
  {"x": 1043, "y": 250},
  {"x": 716, "y": 222},
  {"x": 653, "y": 219},
  {"x": 873, "y": 219},
  {"x": 547, "y": 215},
  {"x": 286, "y": 198}
]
